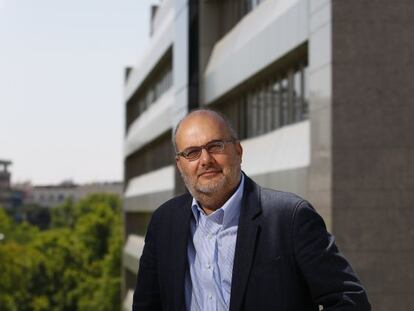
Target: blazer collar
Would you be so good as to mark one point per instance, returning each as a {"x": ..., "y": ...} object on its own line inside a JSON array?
[
  {"x": 246, "y": 241},
  {"x": 179, "y": 262}
]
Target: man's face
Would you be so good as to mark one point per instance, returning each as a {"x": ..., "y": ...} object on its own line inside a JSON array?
[{"x": 210, "y": 174}]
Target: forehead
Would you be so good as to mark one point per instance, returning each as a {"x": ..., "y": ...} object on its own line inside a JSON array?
[{"x": 199, "y": 129}]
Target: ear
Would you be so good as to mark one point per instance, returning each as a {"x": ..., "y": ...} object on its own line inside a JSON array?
[
  {"x": 239, "y": 150},
  {"x": 178, "y": 163}
]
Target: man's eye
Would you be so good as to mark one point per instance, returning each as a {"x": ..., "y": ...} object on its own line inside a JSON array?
[
  {"x": 191, "y": 153},
  {"x": 215, "y": 147}
]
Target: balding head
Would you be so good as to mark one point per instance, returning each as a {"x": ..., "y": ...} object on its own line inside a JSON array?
[{"x": 202, "y": 114}]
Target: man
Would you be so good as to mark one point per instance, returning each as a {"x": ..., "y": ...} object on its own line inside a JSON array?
[{"x": 232, "y": 245}]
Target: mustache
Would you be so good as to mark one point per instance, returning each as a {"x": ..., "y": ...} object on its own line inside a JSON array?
[{"x": 202, "y": 171}]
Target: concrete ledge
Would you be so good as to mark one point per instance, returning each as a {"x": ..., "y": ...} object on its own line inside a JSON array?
[
  {"x": 160, "y": 180},
  {"x": 284, "y": 149},
  {"x": 164, "y": 7},
  {"x": 294, "y": 180},
  {"x": 147, "y": 202},
  {"x": 127, "y": 303},
  {"x": 153, "y": 122},
  {"x": 132, "y": 252},
  {"x": 258, "y": 40},
  {"x": 159, "y": 45}
]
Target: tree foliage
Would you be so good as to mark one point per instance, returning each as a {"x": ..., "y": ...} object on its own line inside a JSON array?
[{"x": 75, "y": 265}]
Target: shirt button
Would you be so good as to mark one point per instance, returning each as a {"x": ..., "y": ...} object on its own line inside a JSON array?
[
  {"x": 208, "y": 266},
  {"x": 210, "y": 296}
]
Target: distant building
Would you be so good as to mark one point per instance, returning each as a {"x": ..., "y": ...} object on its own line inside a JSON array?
[
  {"x": 54, "y": 195},
  {"x": 5, "y": 190},
  {"x": 320, "y": 93}
]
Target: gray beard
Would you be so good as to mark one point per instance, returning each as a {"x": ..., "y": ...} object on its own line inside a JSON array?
[
  {"x": 213, "y": 187},
  {"x": 208, "y": 194},
  {"x": 201, "y": 193}
]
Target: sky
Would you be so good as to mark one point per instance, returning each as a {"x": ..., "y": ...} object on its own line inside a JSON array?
[{"x": 61, "y": 86}]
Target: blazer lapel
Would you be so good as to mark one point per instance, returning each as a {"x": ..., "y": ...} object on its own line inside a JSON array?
[
  {"x": 179, "y": 263},
  {"x": 245, "y": 244}
]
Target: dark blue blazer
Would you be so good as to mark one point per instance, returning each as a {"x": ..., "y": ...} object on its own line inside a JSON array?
[{"x": 285, "y": 260}]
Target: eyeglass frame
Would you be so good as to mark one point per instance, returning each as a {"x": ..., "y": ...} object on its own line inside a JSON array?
[{"x": 224, "y": 142}]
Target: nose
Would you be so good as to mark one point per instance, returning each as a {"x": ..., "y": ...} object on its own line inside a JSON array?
[{"x": 205, "y": 158}]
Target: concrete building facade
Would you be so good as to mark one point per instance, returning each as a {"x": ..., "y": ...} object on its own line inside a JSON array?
[
  {"x": 51, "y": 196},
  {"x": 319, "y": 92}
]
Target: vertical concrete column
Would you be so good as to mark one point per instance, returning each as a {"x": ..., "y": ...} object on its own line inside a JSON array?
[
  {"x": 185, "y": 64},
  {"x": 373, "y": 145},
  {"x": 209, "y": 29},
  {"x": 180, "y": 70},
  {"x": 180, "y": 59},
  {"x": 320, "y": 107}
]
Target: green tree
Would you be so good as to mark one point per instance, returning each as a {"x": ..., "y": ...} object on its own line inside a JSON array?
[
  {"x": 73, "y": 266},
  {"x": 21, "y": 233},
  {"x": 61, "y": 269},
  {"x": 100, "y": 236},
  {"x": 105, "y": 287},
  {"x": 63, "y": 215},
  {"x": 17, "y": 273}
]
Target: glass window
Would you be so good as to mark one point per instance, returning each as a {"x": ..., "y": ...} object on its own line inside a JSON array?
[
  {"x": 150, "y": 97},
  {"x": 149, "y": 94},
  {"x": 242, "y": 120},
  {"x": 305, "y": 87},
  {"x": 262, "y": 113},
  {"x": 158, "y": 153},
  {"x": 250, "y": 117},
  {"x": 276, "y": 104},
  {"x": 251, "y": 4},
  {"x": 297, "y": 95},
  {"x": 268, "y": 107},
  {"x": 270, "y": 103},
  {"x": 284, "y": 101}
]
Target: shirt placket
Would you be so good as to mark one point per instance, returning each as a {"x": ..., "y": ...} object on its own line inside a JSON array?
[{"x": 210, "y": 229}]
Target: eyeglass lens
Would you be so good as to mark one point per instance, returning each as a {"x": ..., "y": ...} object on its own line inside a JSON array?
[{"x": 195, "y": 152}]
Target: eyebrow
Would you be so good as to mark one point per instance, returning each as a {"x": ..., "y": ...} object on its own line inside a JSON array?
[{"x": 211, "y": 141}]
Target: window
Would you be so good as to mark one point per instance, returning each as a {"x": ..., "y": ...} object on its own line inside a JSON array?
[
  {"x": 251, "y": 4},
  {"x": 156, "y": 154},
  {"x": 150, "y": 91},
  {"x": 231, "y": 12},
  {"x": 277, "y": 100}
]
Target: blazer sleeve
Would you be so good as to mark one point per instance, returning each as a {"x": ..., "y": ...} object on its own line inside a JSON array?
[
  {"x": 331, "y": 280},
  {"x": 147, "y": 290}
]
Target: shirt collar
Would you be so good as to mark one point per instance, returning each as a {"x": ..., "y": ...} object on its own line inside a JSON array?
[{"x": 228, "y": 212}]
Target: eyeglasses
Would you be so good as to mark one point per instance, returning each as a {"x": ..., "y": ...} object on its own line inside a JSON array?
[{"x": 212, "y": 147}]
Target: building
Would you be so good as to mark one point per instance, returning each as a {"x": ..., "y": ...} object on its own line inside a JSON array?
[
  {"x": 11, "y": 197},
  {"x": 320, "y": 94},
  {"x": 5, "y": 189},
  {"x": 53, "y": 195}
]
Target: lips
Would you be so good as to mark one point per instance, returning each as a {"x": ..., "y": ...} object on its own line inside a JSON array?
[{"x": 209, "y": 173}]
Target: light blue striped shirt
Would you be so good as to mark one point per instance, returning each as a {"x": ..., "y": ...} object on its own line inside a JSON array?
[{"x": 210, "y": 253}]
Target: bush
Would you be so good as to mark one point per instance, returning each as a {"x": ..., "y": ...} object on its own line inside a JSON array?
[{"x": 75, "y": 265}]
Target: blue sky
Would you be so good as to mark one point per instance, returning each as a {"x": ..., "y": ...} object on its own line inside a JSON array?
[{"x": 61, "y": 85}]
